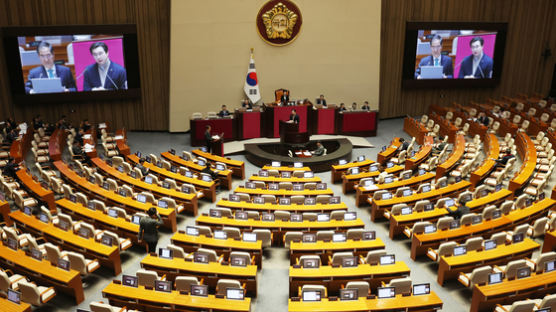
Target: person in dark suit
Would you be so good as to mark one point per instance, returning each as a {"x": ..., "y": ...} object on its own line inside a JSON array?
[
  {"x": 404, "y": 145},
  {"x": 436, "y": 59},
  {"x": 478, "y": 64},
  {"x": 342, "y": 107},
  {"x": 208, "y": 138},
  {"x": 148, "y": 229},
  {"x": 285, "y": 99},
  {"x": 247, "y": 104},
  {"x": 224, "y": 112},
  {"x": 483, "y": 119},
  {"x": 366, "y": 106},
  {"x": 294, "y": 117},
  {"x": 49, "y": 70},
  {"x": 503, "y": 160},
  {"x": 321, "y": 101},
  {"x": 319, "y": 151},
  {"x": 103, "y": 74}
]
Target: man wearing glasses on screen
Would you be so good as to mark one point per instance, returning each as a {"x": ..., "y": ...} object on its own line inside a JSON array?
[
  {"x": 436, "y": 59},
  {"x": 49, "y": 70},
  {"x": 103, "y": 74}
]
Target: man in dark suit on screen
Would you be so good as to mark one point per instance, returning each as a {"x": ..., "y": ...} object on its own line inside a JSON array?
[
  {"x": 478, "y": 64},
  {"x": 436, "y": 59},
  {"x": 103, "y": 74},
  {"x": 49, "y": 70}
]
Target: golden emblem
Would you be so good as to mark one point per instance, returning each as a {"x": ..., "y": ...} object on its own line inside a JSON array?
[{"x": 279, "y": 22}]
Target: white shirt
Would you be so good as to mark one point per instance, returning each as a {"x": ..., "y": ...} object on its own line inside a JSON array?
[
  {"x": 102, "y": 72},
  {"x": 476, "y": 62}
]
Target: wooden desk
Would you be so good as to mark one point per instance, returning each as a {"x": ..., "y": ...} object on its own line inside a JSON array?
[
  {"x": 9, "y": 306},
  {"x": 211, "y": 272},
  {"x": 5, "y": 211},
  {"x": 189, "y": 201},
  {"x": 221, "y": 246},
  {"x": 496, "y": 198},
  {"x": 528, "y": 153},
  {"x": 450, "y": 163},
  {"x": 43, "y": 272},
  {"x": 277, "y": 207},
  {"x": 35, "y": 188},
  {"x": 282, "y": 192},
  {"x": 350, "y": 180},
  {"x": 379, "y": 206},
  {"x": 208, "y": 188},
  {"x": 325, "y": 249},
  {"x": 415, "y": 129},
  {"x": 333, "y": 278},
  {"x": 168, "y": 215},
  {"x": 420, "y": 243},
  {"x": 120, "y": 137},
  {"x": 237, "y": 166},
  {"x": 339, "y": 170},
  {"x": 491, "y": 145},
  {"x": 279, "y": 227},
  {"x": 421, "y": 156},
  {"x": 100, "y": 220},
  {"x": 56, "y": 143},
  {"x": 430, "y": 302},
  {"x": 549, "y": 241},
  {"x": 399, "y": 222},
  {"x": 147, "y": 300},
  {"x": 286, "y": 168},
  {"x": 91, "y": 140},
  {"x": 446, "y": 128},
  {"x": 450, "y": 267},
  {"x": 225, "y": 177},
  {"x": 363, "y": 193},
  {"x": 382, "y": 157},
  {"x": 107, "y": 255},
  {"x": 486, "y": 297},
  {"x": 278, "y": 180}
]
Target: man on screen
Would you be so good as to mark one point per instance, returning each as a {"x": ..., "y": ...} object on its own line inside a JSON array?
[
  {"x": 49, "y": 70},
  {"x": 436, "y": 59},
  {"x": 103, "y": 74},
  {"x": 478, "y": 64}
]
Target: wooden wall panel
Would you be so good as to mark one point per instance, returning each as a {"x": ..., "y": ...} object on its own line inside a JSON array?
[
  {"x": 150, "y": 112},
  {"x": 531, "y": 27}
]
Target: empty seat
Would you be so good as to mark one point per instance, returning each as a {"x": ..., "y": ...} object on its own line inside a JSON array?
[
  {"x": 517, "y": 306},
  {"x": 479, "y": 276},
  {"x": 183, "y": 283},
  {"x": 401, "y": 285},
  {"x": 82, "y": 265},
  {"x": 361, "y": 286},
  {"x": 242, "y": 254},
  {"x": 355, "y": 234},
  {"x": 35, "y": 295},
  {"x": 291, "y": 236},
  {"x": 147, "y": 277},
  {"x": 9, "y": 281},
  {"x": 265, "y": 236},
  {"x": 338, "y": 257},
  {"x": 325, "y": 235},
  {"x": 232, "y": 232}
]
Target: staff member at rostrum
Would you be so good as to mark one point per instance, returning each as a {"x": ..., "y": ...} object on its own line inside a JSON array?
[{"x": 148, "y": 229}]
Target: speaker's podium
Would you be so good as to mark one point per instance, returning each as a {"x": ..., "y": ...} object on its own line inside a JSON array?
[
  {"x": 289, "y": 133},
  {"x": 217, "y": 145}
]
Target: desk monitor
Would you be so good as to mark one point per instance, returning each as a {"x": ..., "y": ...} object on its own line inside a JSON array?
[
  {"x": 466, "y": 198},
  {"x": 263, "y": 173},
  {"x": 458, "y": 179},
  {"x": 14, "y": 296},
  {"x": 268, "y": 216},
  {"x": 349, "y": 262},
  {"x": 47, "y": 85},
  {"x": 422, "y": 171},
  {"x": 523, "y": 272},
  {"x": 350, "y": 216},
  {"x": 308, "y": 174},
  {"x": 369, "y": 235},
  {"x": 460, "y": 250},
  {"x": 495, "y": 278},
  {"x": 449, "y": 202},
  {"x": 249, "y": 237},
  {"x": 233, "y": 198},
  {"x": 339, "y": 237},
  {"x": 121, "y": 168},
  {"x": 275, "y": 164},
  {"x": 310, "y": 263},
  {"x": 498, "y": 187},
  {"x": 476, "y": 219},
  {"x": 431, "y": 228},
  {"x": 28, "y": 210},
  {"x": 273, "y": 186},
  {"x": 368, "y": 182},
  {"x": 206, "y": 178},
  {"x": 354, "y": 170},
  {"x": 490, "y": 244},
  {"x": 199, "y": 290},
  {"x": 386, "y": 196},
  {"x": 361, "y": 158},
  {"x": 173, "y": 169},
  {"x": 407, "y": 193},
  {"x": 185, "y": 189},
  {"x": 386, "y": 292},
  {"x": 164, "y": 286},
  {"x": 389, "y": 164},
  {"x": 309, "y": 238},
  {"x": 204, "y": 149},
  {"x": 387, "y": 259},
  {"x": 166, "y": 185},
  {"x": 220, "y": 167},
  {"x": 133, "y": 174},
  {"x": 84, "y": 232},
  {"x": 122, "y": 192},
  {"x": 426, "y": 188},
  {"x": 258, "y": 200},
  {"x": 149, "y": 180},
  {"x": 442, "y": 184},
  {"x": 162, "y": 204},
  {"x": 296, "y": 217},
  {"x": 192, "y": 230},
  {"x": 218, "y": 234},
  {"x": 188, "y": 174},
  {"x": 200, "y": 257},
  {"x": 113, "y": 213},
  {"x": 406, "y": 210},
  {"x": 250, "y": 185},
  {"x": 136, "y": 219},
  {"x": 36, "y": 254},
  {"x": 342, "y": 162},
  {"x": 406, "y": 175},
  {"x": 431, "y": 72},
  {"x": 91, "y": 180},
  {"x": 334, "y": 200},
  {"x": 421, "y": 289},
  {"x": 11, "y": 243},
  {"x": 43, "y": 217},
  {"x": 548, "y": 309},
  {"x": 542, "y": 196},
  {"x": 298, "y": 187},
  {"x": 148, "y": 159},
  {"x": 323, "y": 217},
  {"x": 64, "y": 264},
  {"x": 236, "y": 260},
  {"x": 107, "y": 240},
  {"x": 454, "y": 224},
  {"x": 428, "y": 207},
  {"x": 549, "y": 266},
  {"x": 383, "y": 148},
  {"x": 321, "y": 186},
  {"x": 388, "y": 179},
  {"x": 235, "y": 293},
  {"x": 73, "y": 198},
  {"x": 311, "y": 295},
  {"x": 310, "y": 201},
  {"x": 349, "y": 294},
  {"x": 284, "y": 201},
  {"x": 215, "y": 213},
  {"x": 241, "y": 215},
  {"x": 91, "y": 205},
  {"x": 528, "y": 202},
  {"x": 130, "y": 280},
  {"x": 165, "y": 253},
  {"x": 286, "y": 174},
  {"x": 373, "y": 168},
  {"x": 516, "y": 238},
  {"x": 142, "y": 198},
  {"x": 496, "y": 214},
  {"x": 201, "y": 162}
]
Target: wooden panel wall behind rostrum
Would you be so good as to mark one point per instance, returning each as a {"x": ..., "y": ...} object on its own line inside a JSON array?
[
  {"x": 150, "y": 112},
  {"x": 531, "y": 27}
]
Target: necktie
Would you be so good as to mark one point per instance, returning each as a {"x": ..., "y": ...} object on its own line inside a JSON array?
[
  {"x": 435, "y": 62},
  {"x": 50, "y": 73}
]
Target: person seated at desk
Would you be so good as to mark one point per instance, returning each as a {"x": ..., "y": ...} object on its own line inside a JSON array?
[
  {"x": 294, "y": 117},
  {"x": 246, "y": 104},
  {"x": 319, "y": 151},
  {"x": 224, "y": 112},
  {"x": 10, "y": 168},
  {"x": 342, "y": 108},
  {"x": 460, "y": 211},
  {"x": 503, "y": 160},
  {"x": 285, "y": 99},
  {"x": 404, "y": 145},
  {"x": 49, "y": 70},
  {"x": 354, "y": 107},
  {"x": 366, "y": 106},
  {"x": 483, "y": 119},
  {"x": 321, "y": 101},
  {"x": 436, "y": 59},
  {"x": 438, "y": 146}
]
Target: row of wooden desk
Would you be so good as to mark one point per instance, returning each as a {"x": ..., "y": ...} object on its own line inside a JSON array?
[
  {"x": 225, "y": 177},
  {"x": 349, "y": 181},
  {"x": 277, "y": 207}
]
